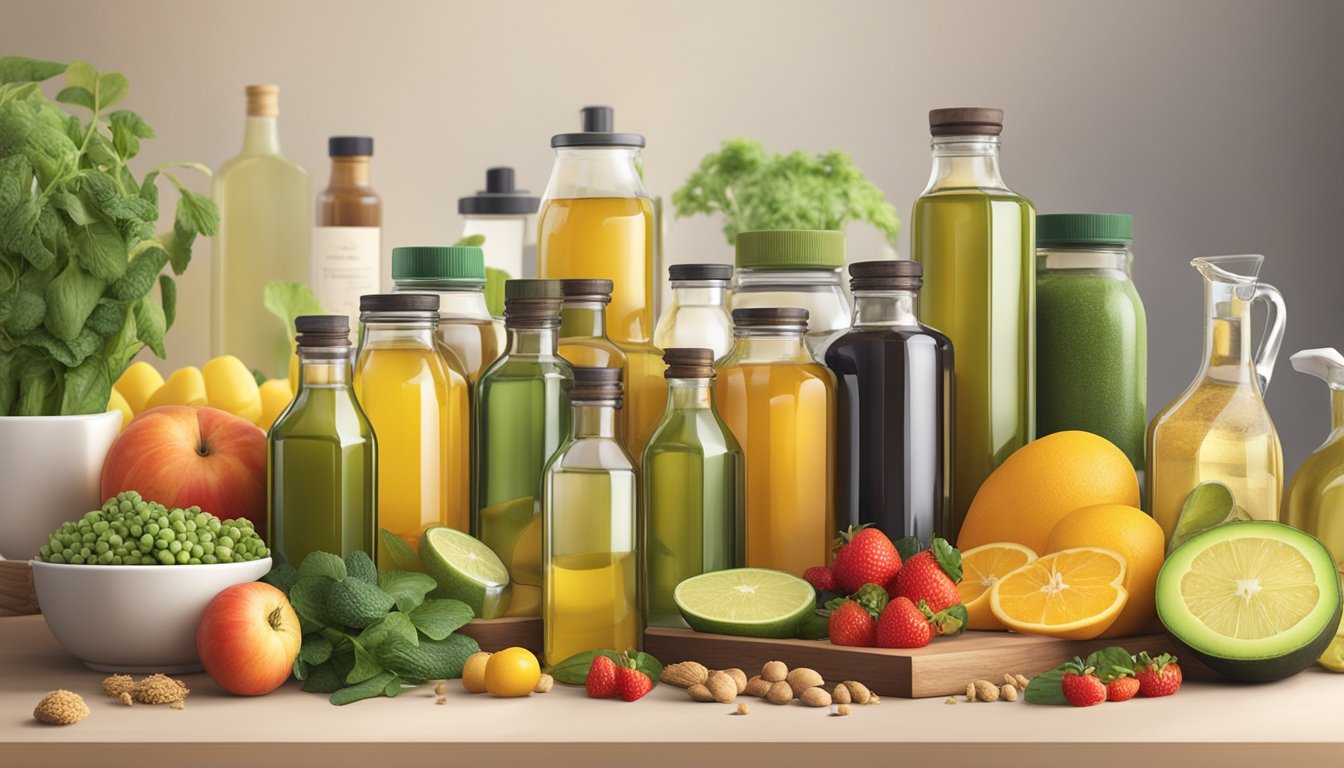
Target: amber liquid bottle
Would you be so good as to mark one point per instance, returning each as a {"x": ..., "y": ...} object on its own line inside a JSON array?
[{"x": 347, "y": 243}]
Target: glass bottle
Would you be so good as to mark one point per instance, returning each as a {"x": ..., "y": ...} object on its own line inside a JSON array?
[
  {"x": 583, "y": 332},
  {"x": 975, "y": 238},
  {"x": 1219, "y": 428},
  {"x": 893, "y": 408},
  {"x": 693, "y": 517},
  {"x": 347, "y": 242},
  {"x": 418, "y": 407},
  {"x": 795, "y": 268},
  {"x": 522, "y": 416},
  {"x": 590, "y": 596},
  {"x": 503, "y": 215},
  {"x": 597, "y": 221},
  {"x": 1315, "y": 501},
  {"x": 698, "y": 314},
  {"x": 779, "y": 403},
  {"x": 471, "y": 338},
  {"x": 265, "y": 208},
  {"x": 321, "y": 455}
]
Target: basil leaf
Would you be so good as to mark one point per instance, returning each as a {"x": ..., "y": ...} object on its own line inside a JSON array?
[
  {"x": 1047, "y": 688},
  {"x": 407, "y": 589},
  {"x": 322, "y": 564},
  {"x": 374, "y": 686},
  {"x": 440, "y": 618},
  {"x": 1105, "y": 661}
]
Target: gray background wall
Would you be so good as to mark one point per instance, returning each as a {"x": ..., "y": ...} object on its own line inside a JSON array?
[{"x": 1216, "y": 123}]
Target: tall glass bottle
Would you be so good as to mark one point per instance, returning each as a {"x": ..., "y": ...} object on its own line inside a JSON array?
[
  {"x": 418, "y": 407},
  {"x": 347, "y": 241},
  {"x": 976, "y": 240},
  {"x": 583, "y": 333},
  {"x": 590, "y": 596},
  {"x": 894, "y": 408},
  {"x": 693, "y": 517},
  {"x": 597, "y": 221},
  {"x": 779, "y": 403},
  {"x": 1315, "y": 501},
  {"x": 265, "y": 225},
  {"x": 522, "y": 416},
  {"x": 698, "y": 314},
  {"x": 471, "y": 338}
]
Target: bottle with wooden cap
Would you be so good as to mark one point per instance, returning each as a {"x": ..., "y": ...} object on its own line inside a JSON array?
[
  {"x": 347, "y": 242},
  {"x": 697, "y": 314}
]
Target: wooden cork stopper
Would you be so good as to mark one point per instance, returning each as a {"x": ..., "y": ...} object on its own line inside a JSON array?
[{"x": 263, "y": 101}]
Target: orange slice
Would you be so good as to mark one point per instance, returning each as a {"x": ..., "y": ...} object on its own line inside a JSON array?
[
  {"x": 981, "y": 569},
  {"x": 1074, "y": 593}
]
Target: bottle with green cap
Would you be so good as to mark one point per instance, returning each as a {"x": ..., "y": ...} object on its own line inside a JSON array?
[
  {"x": 1091, "y": 331},
  {"x": 795, "y": 268},
  {"x": 471, "y": 338}
]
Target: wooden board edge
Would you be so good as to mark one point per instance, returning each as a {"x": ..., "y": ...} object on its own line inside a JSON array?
[
  {"x": 17, "y": 595},
  {"x": 497, "y": 634}
]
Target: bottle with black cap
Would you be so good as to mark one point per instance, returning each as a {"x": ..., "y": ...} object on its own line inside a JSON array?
[
  {"x": 893, "y": 408},
  {"x": 347, "y": 241},
  {"x": 502, "y": 215},
  {"x": 590, "y": 574},
  {"x": 597, "y": 221},
  {"x": 976, "y": 239},
  {"x": 693, "y": 514},
  {"x": 322, "y": 453},
  {"x": 698, "y": 315},
  {"x": 420, "y": 410},
  {"x": 780, "y": 404}
]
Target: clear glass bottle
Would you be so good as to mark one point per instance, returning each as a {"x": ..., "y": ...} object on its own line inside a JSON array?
[
  {"x": 590, "y": 576},
  {"x": 597, "y": 221},
  {"x": 976, "y": 240},
  {"x": 693, "y": 518},
  {"x": 795, "y": 268},
  {"x": 583, "y": 332},
  {"x": 779, "y": 403},
  {"x": 456, "y": 274},
  {"x": 347, "y": 241},
  {"x": 522, "y": 416},
  {"x": 321, "y": 454},
  {"x": 893, "y": 408},
  {"x": 503, "y": 215},
  {"x": 1315, "y": 501},
  {"x": 418, "y": 407},
  {"x": 698, "y": 314}
]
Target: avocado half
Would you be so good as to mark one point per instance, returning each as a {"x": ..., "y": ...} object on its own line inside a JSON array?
[{"x": 1278, "y": 656}]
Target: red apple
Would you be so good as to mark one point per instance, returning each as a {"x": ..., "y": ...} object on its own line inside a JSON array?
[
  {"x": 248, "y": 639},
  {"x": 185, "y": 456}
]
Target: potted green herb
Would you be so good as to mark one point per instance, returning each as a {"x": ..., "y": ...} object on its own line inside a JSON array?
[{"x": 79, "y": 258}]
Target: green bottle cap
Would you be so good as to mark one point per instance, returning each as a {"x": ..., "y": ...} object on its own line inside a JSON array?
[
  {"x": 533, "y": 289},
  {"x": 791, "y": 249},
  {"x": 448, "y": 263},
  {"x": 1084, "y": 229}
]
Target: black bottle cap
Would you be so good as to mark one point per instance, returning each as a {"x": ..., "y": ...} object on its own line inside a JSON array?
[
  {"x": 594, "y": 385},
  {"x": 771, "y": 317},
  {"x": 399, "y": 302},
  {"x": 597, "y": 132},
  {"x": 886, "y": 275},
  {"x": 500, "y": 197},
  {"x": 678, "y": 272},
  {"x": 322, "y": 331},
  {"x": 350, "y": 146},
  {"x": 689, "y": 363},
  {"x": 587, "y": 290}
]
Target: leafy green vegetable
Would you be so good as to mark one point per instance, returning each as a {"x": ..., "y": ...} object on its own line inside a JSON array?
[
  {"x": 814, "y": 627},
  {"x": 1047, "y": 687},
  {"x": 397, "y": 551},
  {"x": 288, "y": 300},
  {"x": 756, "y": 189},
  {"x": 574, "y": 670},
  {"x": 78, "y": 250}
]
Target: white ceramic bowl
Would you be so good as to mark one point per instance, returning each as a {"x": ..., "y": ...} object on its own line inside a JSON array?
[{"x": 134, "y": 618}]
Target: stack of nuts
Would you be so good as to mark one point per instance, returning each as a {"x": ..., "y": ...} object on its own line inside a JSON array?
[
  {"x": 776, "y": 684},
  {"x": 986, "y": 690}
]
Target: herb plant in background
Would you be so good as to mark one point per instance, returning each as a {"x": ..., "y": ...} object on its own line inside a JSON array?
[
  {"x": 79, "y": 255},
  {"x": 757, "y": 189}
]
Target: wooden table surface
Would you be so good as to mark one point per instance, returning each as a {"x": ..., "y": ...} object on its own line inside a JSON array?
[{"x": 1287, "y": 723}]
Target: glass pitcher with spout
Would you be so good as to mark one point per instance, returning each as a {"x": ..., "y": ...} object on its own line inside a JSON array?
[
  {"x": 1219, "y": 428},
  {"x": 1315, "y": 501}
]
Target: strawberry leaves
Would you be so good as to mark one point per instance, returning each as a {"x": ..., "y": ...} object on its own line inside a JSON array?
[{"x": 949, "y": 558}]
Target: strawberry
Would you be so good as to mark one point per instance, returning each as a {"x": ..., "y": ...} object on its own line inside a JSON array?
[
  {"x": 1081, "y": 687},
  {"x": 931, "y": 576},
  {"x": 1122, "y": 689},
  {"x": 601, "y": 682},
  {"x": 632, "y": 684},
  {"x": 1157, "y": 677},
  {"x": 851, "y": 624},
  {"x": 820, "y": 577},
  {"x": 866, "y": 556},
  {"x": 904, "y": 625}
]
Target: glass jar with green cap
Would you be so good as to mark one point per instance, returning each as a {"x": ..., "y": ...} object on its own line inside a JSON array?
[
  {"x": 795, "y": 268},
  {"x": 471, "y": 338},
  {"x": 1091, "y": 332}
]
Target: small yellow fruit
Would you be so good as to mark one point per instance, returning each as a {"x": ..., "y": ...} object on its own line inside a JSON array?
[
  {"x": 230, "y": 386},
  {"x": 275, "y": 397},
  {"x": 118, "y": 403},
  {"x": 1138, "y": 538},
  {"x": 512, "y": 672},
  {"x": 137, "y": 383},
  {"x": 473, "y": 672},
  {"x": 186, "y": 386}
]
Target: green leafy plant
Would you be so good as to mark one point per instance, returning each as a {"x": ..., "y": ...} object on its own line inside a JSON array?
[
  {"x": 79, "y": 255},
  {"x": 757, "y": 189}
]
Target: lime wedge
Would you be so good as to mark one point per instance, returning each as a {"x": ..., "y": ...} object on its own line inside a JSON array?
[
  {"x": 466, "y": 570},
  {"x": 754, "y": 602},
  {"x": 1211, "y": 504}
]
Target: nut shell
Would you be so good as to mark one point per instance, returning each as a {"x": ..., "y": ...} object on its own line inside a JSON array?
[
  {"x": 722, "y": 687},
  {"x": 738, "y": 676},
  {"x": 841, "y": 694},
  {"x": 779, "y": 693},
  {"x": 802, "y": 678},
  {"x": 986, "y": 691},
  {"x": 1022, "y": 682},
  {"x": 684, "y": 674},
  {"x": 700, "y": 693},
  {"x": 757, "y": 687},
  {"x": 1008, "y": 692},
  {"x": 774, "y": 672},
  {"x": 858, "y": 692},
  {"x": 544, "y": 684},
  {"x": 816, "y": 697}
]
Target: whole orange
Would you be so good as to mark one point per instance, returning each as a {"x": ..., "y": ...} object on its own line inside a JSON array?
[{"x": 1135, "y": 535}]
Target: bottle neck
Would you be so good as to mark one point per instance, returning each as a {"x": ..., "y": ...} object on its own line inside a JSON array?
[
  {"x": 594, "y": 419},
  {"x": 1337, "y": 409},
  {"x": 757, "y": 346},
  {"x": 400, "y": 333},
  {"x": 690, "y": 394},
  {"x": 1227, "y": 335},
  {"x": 583, "y": 319},
  {"x": 886, "y": 308},
  {"x": 595, "y": 172},
  {"x": 324, "y": 367},
  {"x": 961, "y": 162},
  {"x": 350, "y": 172},
  {"x": 531, "y": 341},
  {"x": 261, "y": 135},
  {"x": 697, "y": 293}
]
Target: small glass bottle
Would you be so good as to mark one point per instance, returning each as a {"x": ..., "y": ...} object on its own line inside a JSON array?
[
  {"x": 322, "y": 456},
  {"x": 779, "y": 403},
  {"x": 418, "y": 407},
  {"x": 698, "y": 314},
  {"x": 472, "y": 338},
  {"x": 522, "y": 416},
  {"x": 347, "y": 242},
  {"x": 503, "y": 215},
  {"x": 795, "y": 268},
  {"x": 693, "y": 517},
  {"x": 590, "y": 573},
  {"x": 894, "y": 408}
]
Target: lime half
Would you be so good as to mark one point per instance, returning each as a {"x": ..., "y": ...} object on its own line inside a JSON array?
[
  {"x": 754, "y": 602},
  {"x": 466, "y": 569}
]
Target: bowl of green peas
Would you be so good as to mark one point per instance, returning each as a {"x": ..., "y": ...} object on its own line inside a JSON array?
[{"x": 123, "y": 587}]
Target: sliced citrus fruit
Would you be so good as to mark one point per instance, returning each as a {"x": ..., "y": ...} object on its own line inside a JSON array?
[
  {"x": 1074, "y": 593},
  {"x": 465, "y": 570},
  {"x": 754, "y": 602},
  {"x": 981, "y": 569}
]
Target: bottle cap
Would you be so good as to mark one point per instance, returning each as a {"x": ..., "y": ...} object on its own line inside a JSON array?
[
  {"x": 499, "y": 198},
  {"x": 263, "y": 100},
  {"x": 1084, "y": 229},
  {"x": 399, "y": 302},
  {"x": 532, "y": 289},
  {"x": 689, "y": 363},
  {"x": 597, "y": 132},
  {"x": 791, "y": 249},
  {"x": 532, "y": 303},
  {"x": 322, "y": 331},
  {"x": 966, "y": 121},
  {"x": 679, "y": 272},
  {"x": 886, "y": 275},
  {"x": 587, "y": 290},
  {"x": 448, "y": 263},
  {"x": 350, "y": 146},
  {"x": 596, "y": 385},
  {"x": 780, "y": 318}
]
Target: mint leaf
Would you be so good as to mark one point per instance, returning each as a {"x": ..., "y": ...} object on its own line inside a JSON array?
[
  {"x": 288, "y": 300},
  {"x": 1047, "y": 688},
  {"x": 20, "y": 69},
  {"x": 406, "y": 588},
  {"x": 200, "y": 210},
  {"x": 168, "y": 294},
  {"x": 440, "y": 618},
  {"x": 374, "y": 686},
  {"x": 814, "y": 627},
  {"x": 353, "y": 603},
  {"x": 393, "y": 548},
  {"x": 282, "y": 576},
  {"x": 315, "y": 650},
  {"x": 322, "y": 564},
  {"x": 366, "y": 666},
  {"x": 112, "y": 88},
  {"x": 323, "y": 678},
  {"x": 151, "y": 324},
  {"x": 1106, "y": 659},
  {"x": 430, "y": 660},
  {"x": 358, "y": 565},
  {"x": 308, "y": 597},
  {"x": 80, "y": 97},
  {"x": 949, "y": 557}
]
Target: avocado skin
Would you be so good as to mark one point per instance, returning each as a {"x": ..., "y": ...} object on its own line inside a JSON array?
[{"x": 1271, "y": 669}]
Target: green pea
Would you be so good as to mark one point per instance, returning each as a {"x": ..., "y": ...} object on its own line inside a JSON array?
[
  {"x": 166, "y": 557},
  {"x": 174, "y": 546},
  {"x": 183, "y": 556}
]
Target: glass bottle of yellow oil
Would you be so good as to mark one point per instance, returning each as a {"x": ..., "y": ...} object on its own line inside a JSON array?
[
  {"x": 522, "y": 416},
  {"x": 590, "y": 596},
  {"x": 1316, "y": 494},
  {"x": 597, "y": 221},
  {"x": 419, "y": 410},
  {"x": 779, "y": 403},
  {"x": 472, "y": 338}
]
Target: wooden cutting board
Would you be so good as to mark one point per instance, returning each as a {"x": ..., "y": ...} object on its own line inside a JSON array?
[
  {"x": 940, "y": 669},
  {"x": 497, "y": 634}
]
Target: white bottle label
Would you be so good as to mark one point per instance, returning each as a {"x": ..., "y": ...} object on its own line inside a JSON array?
[{"x": 346, "y": 264}]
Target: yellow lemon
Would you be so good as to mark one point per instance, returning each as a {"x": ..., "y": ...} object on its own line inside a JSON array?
[
  {"x": 473, "y": 672},
  {"x": 1074, "y": 594},
  {"x": 1138, "y": 538},
  {"x": 137, "y": 383},
  {"x": 186, "y": 386},
  {"x": 512, "y": 672},
  {"x": 981, "y": 569},
  {"x": 230, "y": 386},
  {"x": 118, "y": 403},
  {"x": 275, "y": 397}
]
